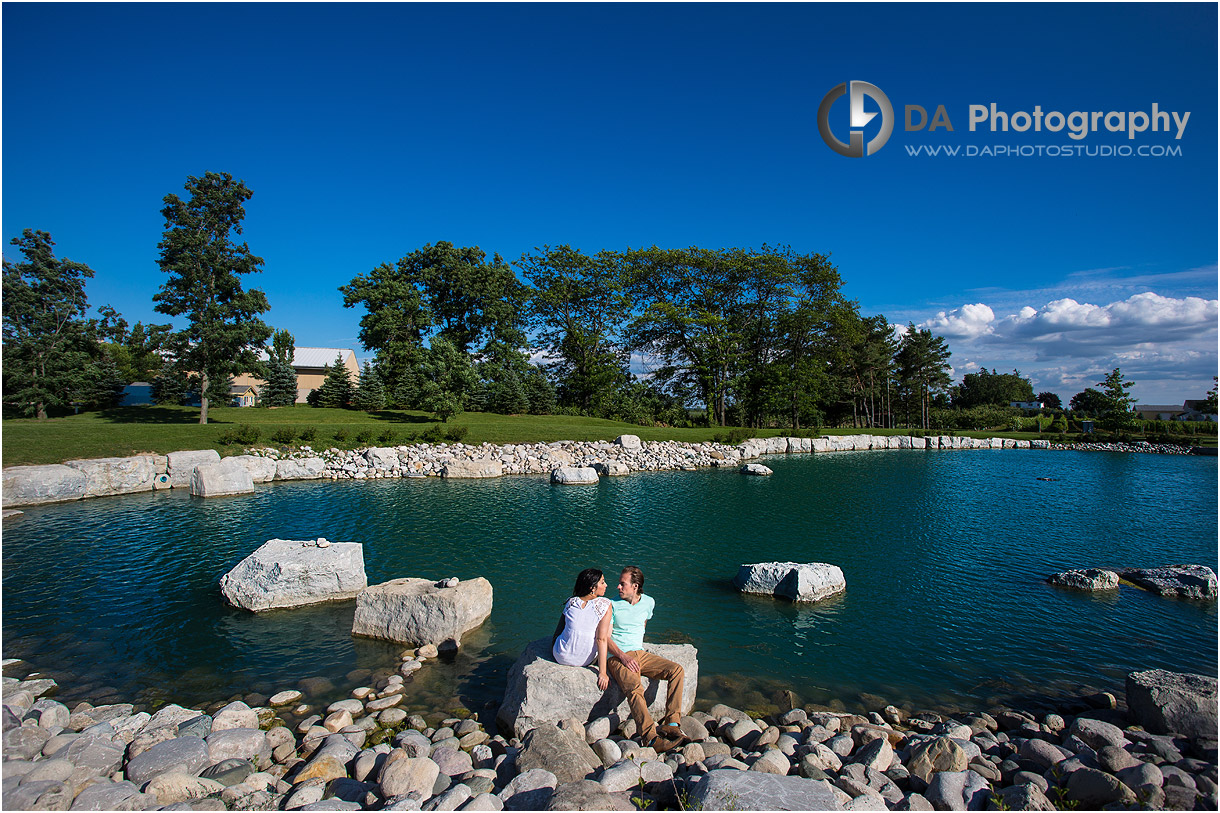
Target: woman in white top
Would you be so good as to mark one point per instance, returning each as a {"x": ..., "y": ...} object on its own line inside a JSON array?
[{"x": 583, "y": 632}]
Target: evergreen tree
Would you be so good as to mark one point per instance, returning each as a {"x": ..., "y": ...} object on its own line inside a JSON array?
[
  {"x": 506, "y": 393},
  {"x": 370, "y": 395},
  {"x": 204, "y": 266},
  {"x": 445, "y": 376},
  {"x": 172, "y": 385},
  {"x": 336, "y": 390},
  {"x": 106, "y": 390},
  {"x": 539, "y": 391},
  {"x": 1118, "y": 416},
  {"x": 281, "y": 387},
  {"x": 49, "y": 351}
]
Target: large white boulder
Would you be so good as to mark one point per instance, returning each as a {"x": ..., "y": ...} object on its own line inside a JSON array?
[
  {"x": 418, "y": 611},
  {"x": 32, "y": 485},
  {"x": 474, "y": 469},
  {"x": 630, "y": 443},
  {"x": 106, "y": 476},
  {"x": 221, "y": 479},
  {"x": 574, "y": 476},
  {"x": 300, "y": 468},
  {"x": 809, "y": 581},
  {"x": 291, "y": 573},
  {"x": 541, "y": 690},
  {"x": 181, "y": 465},
  {"x": 262, "y": 469}
]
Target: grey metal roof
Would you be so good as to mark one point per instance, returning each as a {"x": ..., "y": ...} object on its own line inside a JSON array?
[{"x": 314, "y": 356}]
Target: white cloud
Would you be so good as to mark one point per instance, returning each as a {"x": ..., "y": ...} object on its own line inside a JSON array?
[
  {"x": 968, "y": 321},
  {"x": 1166, "y": 344}
]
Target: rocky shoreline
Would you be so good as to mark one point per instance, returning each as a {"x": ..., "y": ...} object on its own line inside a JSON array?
[
  {"x": 366, "y": 753},
  {"x": 206, "y": 474}
]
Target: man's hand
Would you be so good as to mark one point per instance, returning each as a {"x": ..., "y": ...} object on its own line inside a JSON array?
[{"x": 630, "y": 662}]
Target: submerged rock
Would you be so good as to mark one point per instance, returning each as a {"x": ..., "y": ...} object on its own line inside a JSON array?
[
  {"x": 1183, "y": 581},
  {"x": 756, "y": 469},
  {"x": 286, "y": 573},
  {"x": 1092, "y": 578}
]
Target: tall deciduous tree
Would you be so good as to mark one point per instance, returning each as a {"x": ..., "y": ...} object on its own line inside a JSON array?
[
  {"x": 49, "y": 351},
  {"x": 205, "y": 267},
  {"x": 1050, "y": 400},
  {"x": 688, "y": 323},
  {"x": 1090, "y": 402},
  {"x": 579, "y": 307},
  {"x": 992, "y": 388},
  {"x": 395, "y": 322},
  {"x": 473, "y": 302}
]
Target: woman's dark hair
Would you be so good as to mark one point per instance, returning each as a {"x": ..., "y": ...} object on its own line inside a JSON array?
[{"x": 587, "y": 581}]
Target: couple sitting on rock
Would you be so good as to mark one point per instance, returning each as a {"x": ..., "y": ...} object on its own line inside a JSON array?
[{"x": 593, "y": 628}]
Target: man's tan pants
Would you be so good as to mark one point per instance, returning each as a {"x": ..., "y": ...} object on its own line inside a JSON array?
[{"x": 654, "y": 668}]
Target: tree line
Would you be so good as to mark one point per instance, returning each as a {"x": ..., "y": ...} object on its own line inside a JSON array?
[{"x": 730, "y": 336}]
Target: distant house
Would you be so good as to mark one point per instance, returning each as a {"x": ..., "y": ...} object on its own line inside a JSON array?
[
  {"x": 1190, "y": 410},
  {"x": 242, "y": 395},
  {"x": 309, "y": 364},
  {"x": 1026, "y": 404}
]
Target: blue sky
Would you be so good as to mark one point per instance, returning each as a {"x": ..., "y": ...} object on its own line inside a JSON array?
[{"x": 366, "y": 131}]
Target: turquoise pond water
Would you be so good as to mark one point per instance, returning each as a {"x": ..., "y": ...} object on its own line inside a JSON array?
[{"x": 945, "y": 556}]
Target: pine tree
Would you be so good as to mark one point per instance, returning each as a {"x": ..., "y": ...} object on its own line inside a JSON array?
[
  {"x": 204, "y": 265},
  {"x": 49, "y": 349},
  {"x": 370, "y": 395},
  {"x": 540, "y": 392},
  {"x": 106, "y": 390},
  {"x": 506, "y": 394},
  {"x": 172, "y": 385},
  {"x": 336, "y": 390},
  {"x": 281, "y": 387}
]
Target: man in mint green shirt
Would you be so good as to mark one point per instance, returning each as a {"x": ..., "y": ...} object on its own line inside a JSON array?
[{"x": 630, "y": 661}]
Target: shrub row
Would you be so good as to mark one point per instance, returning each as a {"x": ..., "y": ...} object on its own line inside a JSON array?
[{"x": 247, "y": 435}]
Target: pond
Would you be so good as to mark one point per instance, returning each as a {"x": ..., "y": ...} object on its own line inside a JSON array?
[{"x": 945, "y": 556}]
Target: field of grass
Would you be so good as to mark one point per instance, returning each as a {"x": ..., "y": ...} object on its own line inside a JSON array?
[{"x": 156, "y": 429}]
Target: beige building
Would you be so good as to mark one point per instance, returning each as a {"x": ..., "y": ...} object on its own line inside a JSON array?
[{"x": 309, "y": 363}]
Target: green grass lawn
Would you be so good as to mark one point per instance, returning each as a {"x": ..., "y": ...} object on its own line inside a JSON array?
[{"x": 156, "y": 429}]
